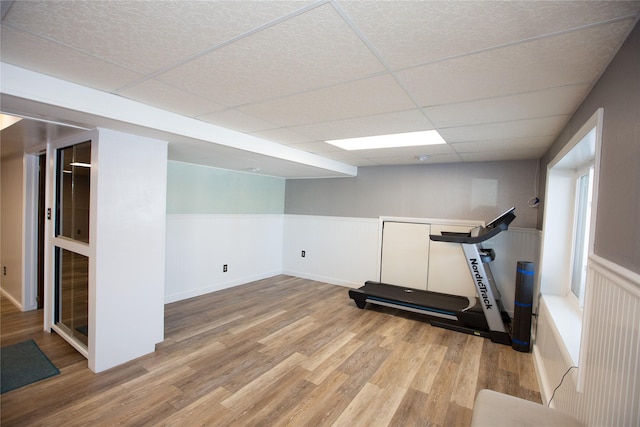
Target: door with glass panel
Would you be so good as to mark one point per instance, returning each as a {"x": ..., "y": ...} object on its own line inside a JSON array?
[{"x": 71, "y": 250}]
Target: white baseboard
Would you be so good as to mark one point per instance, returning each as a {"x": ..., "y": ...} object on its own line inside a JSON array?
[
  {"x": 12, "y": 299},
  {"x": 218, "y": 287},
  {"x": 324, "y": 279}
]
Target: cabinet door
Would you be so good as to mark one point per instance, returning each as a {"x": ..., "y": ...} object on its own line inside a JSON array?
[
  {"x": 405, "y": 254},
  {"x": 448, "y": 269}
]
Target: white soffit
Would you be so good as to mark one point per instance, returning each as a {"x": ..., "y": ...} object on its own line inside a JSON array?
[{"x": 24, "y": 84}]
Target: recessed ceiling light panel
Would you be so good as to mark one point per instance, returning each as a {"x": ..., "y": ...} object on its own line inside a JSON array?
[{"x": 411, "y": 139}]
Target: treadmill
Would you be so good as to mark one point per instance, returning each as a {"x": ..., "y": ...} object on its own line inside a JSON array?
[{"x": 483, "y": 315}]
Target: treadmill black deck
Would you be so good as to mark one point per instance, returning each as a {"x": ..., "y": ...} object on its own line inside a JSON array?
[{"x": 413, "y": 298}]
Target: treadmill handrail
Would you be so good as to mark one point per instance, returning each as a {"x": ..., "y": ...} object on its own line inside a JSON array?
[{"x": 494, "y": 228}]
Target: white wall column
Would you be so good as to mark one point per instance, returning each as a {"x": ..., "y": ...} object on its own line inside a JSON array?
[{"x": 126, "y": 300}]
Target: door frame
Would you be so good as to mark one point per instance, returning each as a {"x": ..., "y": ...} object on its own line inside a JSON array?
[
  {"x": 51, "y": 240},
  {"x": 30, "y": 241}
]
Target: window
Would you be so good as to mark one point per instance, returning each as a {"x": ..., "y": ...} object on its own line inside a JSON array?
[
  {"x": 567, "y": 241},
  {"x": 582, "y": 219},
  {"x": 72, "y": 191}
]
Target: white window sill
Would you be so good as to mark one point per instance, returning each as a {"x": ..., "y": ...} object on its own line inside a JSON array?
[{"x": 566, "y": 318}]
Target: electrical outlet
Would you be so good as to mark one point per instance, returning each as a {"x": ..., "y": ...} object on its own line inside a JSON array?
[
  {"x": 303, "y": 254},
  {"x": 224, "y": 268}
]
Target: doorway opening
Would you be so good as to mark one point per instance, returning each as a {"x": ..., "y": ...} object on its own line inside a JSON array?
[{"x": 42, "y": 175}]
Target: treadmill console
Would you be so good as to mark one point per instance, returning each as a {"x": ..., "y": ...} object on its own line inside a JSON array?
[
  {"x": 478, "y": 234},
  {"x": 507, "y": 217}
]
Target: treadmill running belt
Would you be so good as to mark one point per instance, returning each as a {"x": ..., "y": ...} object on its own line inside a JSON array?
[{"x": 415, "y": 298}]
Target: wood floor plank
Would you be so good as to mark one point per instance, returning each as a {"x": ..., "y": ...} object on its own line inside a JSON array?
[
  {"x": 290, "y": 334},
  {"x": 412, "y": 411},
  {"x": 266, "y": 354},
  {"x": 526, "y": 371},
  {"x": 274, "y": 403},
  {"x": 140, "y": 409},
  {"x": 239, "y": 400},
  {"x": 183, "y": 355},
  {"x": 322, "y": 406},
  {"x": 356, "y": 414},
  {"x": 400, "y": 367},
  {"x": 458, "y": 415},
  {"x": 426, "y": 374},
  {"x": 465, "y": 383},
  {"x": 441, "y": 390},
  {"x": 327, "y": 351},
  {"x": 332, "y": 363},
  {"x": 190, "y": 331},
  {"x": 233, "y": 370},
  {"x": 256, "y": 321},
  {"x": 394, "y": 330},
  {"x": 202, "y": 412}
]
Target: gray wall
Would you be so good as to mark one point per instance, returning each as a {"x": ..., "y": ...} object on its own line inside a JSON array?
[
  {"x": 475, "y": 191},
  {"x": 617, "y": 236}
]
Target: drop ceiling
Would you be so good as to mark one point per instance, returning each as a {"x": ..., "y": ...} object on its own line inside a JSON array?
[{"x": 498, "y": 80}]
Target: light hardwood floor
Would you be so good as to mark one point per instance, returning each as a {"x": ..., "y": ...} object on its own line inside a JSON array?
[{"x": 280, "y": 351}]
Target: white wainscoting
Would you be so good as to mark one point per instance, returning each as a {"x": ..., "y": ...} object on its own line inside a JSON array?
[
  {"x": 609, "y": 355},
  {"x": 345, "y": 251},
  {"x": 199, "y": 245},
  {"x": 338, "y": 250},
  {"x": 516, "y": 244}
]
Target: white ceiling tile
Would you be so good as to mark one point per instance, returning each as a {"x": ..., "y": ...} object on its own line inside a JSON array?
[
  {"x": 381, "y": 124},
  {"x": 412, "y": 32},
  {"x": 315, "y": 49},
  {"x": 395, "y": 160},
  {"x": 514, "y": 154},
  {"x": 573, "y": 58},
  {"x": 144, "y": 36},
  {"x": 373, "y": 96},
  {"x": 167, "y": 97},
  {"x": 59, "y": 61},
  {"x": 547, "y": 102},
  {"x": 545, "y": 126},
  {"x": 236, "y": 120},
  {"x": 396, "y": 156},
  {"x": 349, "y": 158},
  {"x": 406, "y": 152},
  {"x": 498, "y": 145}
]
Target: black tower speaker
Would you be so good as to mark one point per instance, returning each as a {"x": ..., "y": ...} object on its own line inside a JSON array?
[{"x": 523, "y": 305}]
